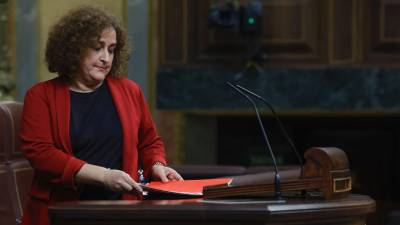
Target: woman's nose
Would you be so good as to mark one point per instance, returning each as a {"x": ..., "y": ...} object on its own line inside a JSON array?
[{"x": 105, "y": 56}]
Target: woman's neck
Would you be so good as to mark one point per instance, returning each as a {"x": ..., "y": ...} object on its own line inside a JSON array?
[{"x": 77, "y": 86}]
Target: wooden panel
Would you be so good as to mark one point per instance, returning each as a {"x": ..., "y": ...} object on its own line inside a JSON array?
[
  {"x": 381, "y": 31},
  {"x": 390, "y": 24},
  {"x": 342, "y": 33},
  {"x": 287, "y": 15},
  {"x": 172, "y": 25},
  {"x": 292, "y": 31},
  {"x": 285, "y": 34}
]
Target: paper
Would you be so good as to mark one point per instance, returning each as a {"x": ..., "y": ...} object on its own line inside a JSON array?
[{"x": 186, "y": 187}]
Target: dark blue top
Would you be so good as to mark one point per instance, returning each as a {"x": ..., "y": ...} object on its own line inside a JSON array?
[{"x": 96, "y": 136}]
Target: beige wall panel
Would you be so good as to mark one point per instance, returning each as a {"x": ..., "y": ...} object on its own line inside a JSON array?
[
  {"x": 51, "y": 11},
  {"x": 12, "y": 39}
]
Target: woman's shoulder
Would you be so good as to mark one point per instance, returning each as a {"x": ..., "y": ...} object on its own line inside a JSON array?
[
  {"x": 123, "y": 82},
  {"x": 43, "y": 86}
]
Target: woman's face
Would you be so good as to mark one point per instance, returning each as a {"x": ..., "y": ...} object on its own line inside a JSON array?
[{"x": 97, "y": 62}]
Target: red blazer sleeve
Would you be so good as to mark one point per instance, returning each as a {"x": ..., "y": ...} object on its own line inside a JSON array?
[
  {"x": 150, "y": 146},
  {"x": 50, "y": 161}
]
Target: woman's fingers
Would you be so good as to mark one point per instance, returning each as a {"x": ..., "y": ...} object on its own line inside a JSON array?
[
  {"x": 173, "y": 175},
  {"x": 117, "y": 180},
  {"x": 132, "y": 184},
  {"x": 165, "y": 173}
]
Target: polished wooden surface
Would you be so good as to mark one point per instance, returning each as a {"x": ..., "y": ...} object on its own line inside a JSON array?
[{"x": 351, "y": 210}]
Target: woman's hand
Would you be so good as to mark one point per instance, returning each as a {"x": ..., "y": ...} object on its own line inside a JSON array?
[
  {"x": 119, "y": 181},
  {"x": 114, "y": 180},
  {"x": 165, "y": 173}
]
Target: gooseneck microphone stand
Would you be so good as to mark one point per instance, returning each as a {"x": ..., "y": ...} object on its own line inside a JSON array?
[
  {"x": 279, "y": 123},
  {"x": 278, "y": 193}
]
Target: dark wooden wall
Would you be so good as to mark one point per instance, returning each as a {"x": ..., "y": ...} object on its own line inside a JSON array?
[
  {"x": 380, "y": 32},
  {"x": 294, "y": 33}
]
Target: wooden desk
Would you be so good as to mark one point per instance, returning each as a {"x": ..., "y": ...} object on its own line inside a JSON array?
[{"x": 348, "y": 211}]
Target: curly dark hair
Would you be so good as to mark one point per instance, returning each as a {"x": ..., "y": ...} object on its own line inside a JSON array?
[{"x": 79, "y": 30}]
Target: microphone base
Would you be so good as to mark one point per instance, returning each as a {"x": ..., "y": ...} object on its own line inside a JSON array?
[{"x": 278, "y": 196}]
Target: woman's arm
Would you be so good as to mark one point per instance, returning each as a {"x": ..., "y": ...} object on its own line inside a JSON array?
[
  {"x": 115, "y": 180},
  {"x": 40, "y": 143}
]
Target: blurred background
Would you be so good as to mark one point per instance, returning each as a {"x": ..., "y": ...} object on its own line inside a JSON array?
[{"x": 330, "y": 68}]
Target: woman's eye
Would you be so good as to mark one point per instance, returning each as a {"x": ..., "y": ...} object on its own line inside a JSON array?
[{"x": 96, "y": 48}]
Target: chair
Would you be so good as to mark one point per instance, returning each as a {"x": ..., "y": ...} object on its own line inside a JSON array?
[
  {"x": 15, "y": 171},
  {"x": 20, "y": 174},
  {"x": 7, "y": 211},
  {"x": 10, "y": 118}
]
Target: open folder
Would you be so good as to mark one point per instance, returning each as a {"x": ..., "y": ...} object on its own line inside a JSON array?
[{"x": 185, "y": 188}]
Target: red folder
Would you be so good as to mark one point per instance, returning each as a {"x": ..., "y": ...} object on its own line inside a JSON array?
[{"x": 189, "y": 188}]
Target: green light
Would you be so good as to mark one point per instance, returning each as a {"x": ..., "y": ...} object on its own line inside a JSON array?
[{"x": 251, "y": 20}]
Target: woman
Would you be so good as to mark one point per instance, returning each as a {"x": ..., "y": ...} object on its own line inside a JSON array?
[{"x": 87, "y": 131}]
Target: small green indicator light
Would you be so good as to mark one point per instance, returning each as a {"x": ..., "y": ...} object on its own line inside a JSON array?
[{"x": 251, "y": 20}]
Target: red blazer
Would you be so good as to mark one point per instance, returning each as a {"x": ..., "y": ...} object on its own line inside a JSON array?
[{"x": 46, "y": 141}]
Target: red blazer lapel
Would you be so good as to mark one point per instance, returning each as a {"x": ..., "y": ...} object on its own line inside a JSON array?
[
  {"x": 62, "y": 106},
  {"x": 124, "y": 109}
]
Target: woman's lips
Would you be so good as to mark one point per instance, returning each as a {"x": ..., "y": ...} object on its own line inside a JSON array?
[{"x": 101, "y": 68}]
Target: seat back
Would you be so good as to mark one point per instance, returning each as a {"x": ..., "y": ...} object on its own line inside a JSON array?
[
  {"x": 19, "y": 175},
  {"x": 15, "y": 171},
  {"x": 10, "y": 120},
  {"x": 7, "y": 210}
]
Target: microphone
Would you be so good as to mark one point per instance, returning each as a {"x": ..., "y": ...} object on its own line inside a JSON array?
[
  {"x": 278, "y": 193},
  {"x": 279, "y": 123}
]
